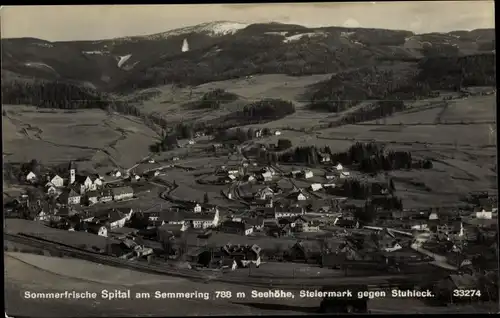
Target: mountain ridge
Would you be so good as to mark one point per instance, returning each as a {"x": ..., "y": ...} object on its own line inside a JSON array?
[{"x": 224, "y": 49}]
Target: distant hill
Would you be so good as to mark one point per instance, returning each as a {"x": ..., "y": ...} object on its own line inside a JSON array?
[{"x": 225, "y": 50}]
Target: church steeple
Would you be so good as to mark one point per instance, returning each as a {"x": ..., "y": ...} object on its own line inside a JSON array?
[{"x": 72, "y": 172}]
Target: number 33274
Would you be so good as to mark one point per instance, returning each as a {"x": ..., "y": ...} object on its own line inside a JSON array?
[{"x": 466, "y": 293}]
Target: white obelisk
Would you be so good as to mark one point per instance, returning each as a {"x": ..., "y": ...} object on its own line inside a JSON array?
[{"x": 185, "y": 46}]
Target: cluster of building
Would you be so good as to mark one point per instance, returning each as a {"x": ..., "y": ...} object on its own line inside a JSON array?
[{"x": 78, "y": 189}]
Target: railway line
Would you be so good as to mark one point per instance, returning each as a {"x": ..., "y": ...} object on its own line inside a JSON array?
[{"x": 379, "y": 282}]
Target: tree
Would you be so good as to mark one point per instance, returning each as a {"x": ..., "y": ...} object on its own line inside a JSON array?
[
  {"x": 284, "y": 144},
  {"x": 205, "y": 198}
]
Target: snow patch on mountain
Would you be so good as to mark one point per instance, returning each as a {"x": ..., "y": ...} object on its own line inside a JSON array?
[
  {"x": 47, "y": 45},
  {"x": 40, "y": 66},
  {"x": 95, "y": 52},
  {"x": 216, "y": 28},
  {"x": 346, "y": 34},
  {"x": 123, "y": 59},
  {"x": 299, "y": 36},
  {"x": 277, "y": 33}
]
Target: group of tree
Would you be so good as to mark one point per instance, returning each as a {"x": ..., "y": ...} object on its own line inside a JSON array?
[
  {"x": 52, "y": 94},
  {"x": 393, "y": 160},
  {"x": 358, "y": 190},
  {"x": 456, "y": 72},
  {"x": 214, "y": 99},
  {"x": 380, "y": 109},
  {"x": 268, "y": 109}
]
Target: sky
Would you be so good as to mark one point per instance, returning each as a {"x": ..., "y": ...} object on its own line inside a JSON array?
[{"x": 94, "y": 22}]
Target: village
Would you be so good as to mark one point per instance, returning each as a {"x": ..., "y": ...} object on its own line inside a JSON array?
[{"x": 275, "y": 220}]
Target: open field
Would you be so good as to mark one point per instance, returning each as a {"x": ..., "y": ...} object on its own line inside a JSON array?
[
  {"x": 56, "y": 136},
  {"x": 75, "y": 239}
]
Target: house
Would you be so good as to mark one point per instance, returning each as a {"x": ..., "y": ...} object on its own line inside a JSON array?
[
  {"x": 50, "y": 189},
  {"x": 295, "y": 173},
  {"x": 197, "y": 208},
  {"x": 395, "y": 246},
  {"x": 339, "y": 167},
  {"x": 31, "y": 177},
  {"x": 264, "y": 194},
  {"x": 92, "y": 197},
  {"x": 324, "y": 158},
  {"x": 228, "y": 263},
  {"x": 96, "y": 182},
  {"x": 484, "y": 214},
  {"x": 56, "y": 180},
  {"x": 257, "y": 223},
  {"x": 344, "y": 174},
  {"x": 315, "y": 187},
  {"x": 203, "y": 220},
  {"x": 452, "y": 230},
  {"x": 227, "y": 179},
  {"x": 84, "y": 181},
  {"x": 433, "y": 216},
  {"x": 265, "y": 176},
  {"x": 96, "y": 228},
  {"x": 311, "y": 227},
  {"x": 297, "y": 195},
  {"x": 114, "y": 217},
  {"x": 116, "y": 173},
  {"x": 241, "y": 228},
  {"x": 307, "y": 174},
  {"x": 106, "y": 196},
  {"x": 288, "y": 212},
  {"x": 244, "y": 255},
  {"x": 122, "y": 193},
  {"x": 70, "y": 197},
  {"x": 258, "y": 133},
  {"x": 248, "y": 178},
  {"x": 346, "y": 223},
  {"x": 330, "y": 176},
  {"x": 277, "y": 133},
  {"x": 305, "y": 251},
  {"x": 191, "y": 142}
]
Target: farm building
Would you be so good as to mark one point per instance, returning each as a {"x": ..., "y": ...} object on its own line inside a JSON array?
[
  {"x": 315, "y": 187},
  {"x": 106, "y": 196},
  {"x": 236, "y": 228},
  {"x": 92, "y": 197},
  {"x": 122, "y": 193},
  {"x": 55, "y": 180},
  {"x": 97, "y": 229},
  {"x": 484, "y": 214},
  {"x": 307, "y": 174},
  {"x": 70, "y": 197}
]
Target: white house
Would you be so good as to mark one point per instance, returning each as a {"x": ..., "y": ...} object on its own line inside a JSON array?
[
  {"x": 57, "y": 181},
  {"x": 96, "y": 182},
  {"x": 301, "y": 197},
  {"x": 344, "y": 174},
  {"x": 50, "y": 189},
  {"x": 316, "y": 186},
  {"x": 116, "y": 173},
  {"x": 97, "y": 229},
  {"x": 122, "y": 193},
  {"x": 484, "y": 214},
  {"x": 433, "y": 216},
  {"x": 393, "y": 248},
  {"x": 277, "y": 133},
  {"x": 329, "y": 185},
  {"x": 339, "y": 167},
  {"x": 191, "y": 142},
  {"x": 197, "y": 208},
  {"x": 31, "y": 177},
  {"x": 265, "y": 193},
  {"x": 308, "y": 174}
]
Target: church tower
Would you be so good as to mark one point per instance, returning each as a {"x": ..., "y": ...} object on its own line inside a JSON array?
[{"x": 72, "y": 172}]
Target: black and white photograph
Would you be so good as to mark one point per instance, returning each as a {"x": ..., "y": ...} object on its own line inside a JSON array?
[{"x": 249, "y": 159}]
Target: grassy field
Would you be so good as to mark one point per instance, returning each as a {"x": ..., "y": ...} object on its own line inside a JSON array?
[{"x": 57, "y": 136}]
